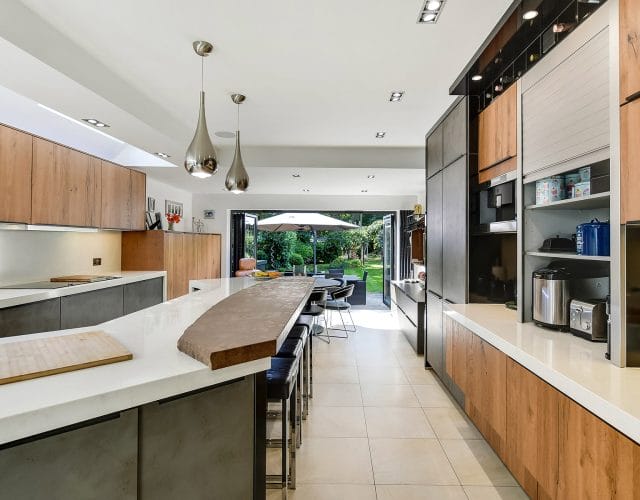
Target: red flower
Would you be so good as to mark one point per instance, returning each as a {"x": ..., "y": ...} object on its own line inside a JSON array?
[{"x": 173, "y": 218}]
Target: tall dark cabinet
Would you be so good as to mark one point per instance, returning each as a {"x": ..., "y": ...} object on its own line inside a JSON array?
[{"x": 448, "y": 164}]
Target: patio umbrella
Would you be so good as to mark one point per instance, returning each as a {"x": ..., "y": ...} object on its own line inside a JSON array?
[{"x": 300, "y": 221}]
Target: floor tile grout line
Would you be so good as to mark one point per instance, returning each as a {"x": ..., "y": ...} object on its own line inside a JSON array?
[{"x": 366, "y": 427}]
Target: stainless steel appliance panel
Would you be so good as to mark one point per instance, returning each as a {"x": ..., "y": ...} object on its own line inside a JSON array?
[
  {"x": 434, "y": 234},
  {"x": 454, "y": 232},
  {"x": 588, "y": 319},
  {"x": 551, "y": 302}
]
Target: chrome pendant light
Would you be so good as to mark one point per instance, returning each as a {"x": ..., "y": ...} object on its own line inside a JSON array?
[
  {"x": 237, "y": 180},
  {"x": 200, "y": 159}
]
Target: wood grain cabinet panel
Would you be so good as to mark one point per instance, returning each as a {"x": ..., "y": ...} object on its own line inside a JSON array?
[
  {"x": 138, "y": 200},
  {"x": 532, "y": 432},
  {"x": 497, "y": 130},
  {"x": 185, "y": 256},
  {"x": 485, "y": 399},
  {"x": 630, "y": 161},
  {"x": 15, "y": 175},
  {"x": 458, "y": 341},
  {"x": 595, "y": 461},
  {"x": 629, "y": 50},
  {"x": 66, "y": 186},
  {"x": 116, "y": 196}
]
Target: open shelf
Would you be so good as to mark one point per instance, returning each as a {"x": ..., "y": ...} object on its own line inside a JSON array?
[
  {"x": 600, "y": 200},
  {"x": 567, "y": 255}
]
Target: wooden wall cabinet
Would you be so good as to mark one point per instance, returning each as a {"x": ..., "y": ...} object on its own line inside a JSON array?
[
  {"x": 497, "y": 130},
  {"x": 66, "y": 186},
  {"x": 630, "y": 161},
  {"x": 532, "y": 431},
  {"x": 185, "y": 256},
  {"x": 629, "y": 50},
  {"x": 15, "y": 175},
  {"x": 138, "y": 200},
  {"x": 116, "y": 196}
]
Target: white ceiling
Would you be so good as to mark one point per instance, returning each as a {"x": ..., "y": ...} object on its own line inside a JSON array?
[{"x": 317, "y": 75}]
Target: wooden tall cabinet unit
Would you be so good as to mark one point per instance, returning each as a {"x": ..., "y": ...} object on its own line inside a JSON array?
[
  {"x": 66, "y": 186},
  {"x": 15, "y": 175},
  {"x": 629, "y": 50},
  {"x": 185, "y": 256},
  {"x": 630, "y": 161}
]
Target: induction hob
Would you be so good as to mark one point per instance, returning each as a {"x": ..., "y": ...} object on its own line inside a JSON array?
[{"x": 49, "y": 285}]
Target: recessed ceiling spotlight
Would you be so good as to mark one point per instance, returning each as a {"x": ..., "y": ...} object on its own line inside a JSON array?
[
  {"x": 296, "y": 176},
  {"x": 162, "y": 155},
  {"x": 306, "y": 190},
  {"x": 433, "y": 4},
  {"x": 364, "y": 191},
  {"x": 95, "y": 123},
  {"x": 371, "y": 176},
  {"x": 530, "y": 14},
  {"x": 431, "y": 10},
  {"x": 380, "y": 135},
  {"x": 396, "y": 95},
  {"x": 476, "y": 78}
]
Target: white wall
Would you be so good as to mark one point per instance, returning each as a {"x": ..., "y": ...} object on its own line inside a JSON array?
[
  {"x": 162, "y": 192},
  {"x": 224, "y": 203},
  {"x": 37, "y": 255}
]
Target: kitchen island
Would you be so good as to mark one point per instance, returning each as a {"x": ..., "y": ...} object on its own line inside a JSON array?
[{"x": 162, "y": 425}]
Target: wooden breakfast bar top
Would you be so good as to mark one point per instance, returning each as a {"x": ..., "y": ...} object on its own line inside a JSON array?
[{"x": 248, "y": 325}]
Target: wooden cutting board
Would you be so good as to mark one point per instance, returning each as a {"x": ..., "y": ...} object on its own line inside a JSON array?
[
  {"x": 85, "y": 278},
  {"x": 27, "y": 359}
]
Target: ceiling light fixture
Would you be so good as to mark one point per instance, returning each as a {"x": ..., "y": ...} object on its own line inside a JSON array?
[
  {"x": 430, "y": 12},
  {"x": 95, "y": 123},
  {"x": 380, "y": 135},
  {"x": 364, "y": 191},
  {"x": 296, "y": 176},
  {"x": 162, "y": 155},
  {"x": 237, "y": 180},
  {"x": 371, "y": 176},
  {"x": 200, "y": 159},
  {"x": 396, "y": 95},
  {"x": 530, "y": 14},
  {"x": 306, "y": 190},
  {"x": 476, "y": 78}
]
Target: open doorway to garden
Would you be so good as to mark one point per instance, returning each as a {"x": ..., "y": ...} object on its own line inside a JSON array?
[{"x": 357, "y": 252}]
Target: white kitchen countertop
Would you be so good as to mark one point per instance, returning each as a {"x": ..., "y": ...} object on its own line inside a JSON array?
[
  {"x": 158, "y": 369},
  {"x": 15, "y": 297},
  {"x": 574, "y": 366}
]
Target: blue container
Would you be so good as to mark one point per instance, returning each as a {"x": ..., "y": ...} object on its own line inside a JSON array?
[{"x": 594, "y": 238}]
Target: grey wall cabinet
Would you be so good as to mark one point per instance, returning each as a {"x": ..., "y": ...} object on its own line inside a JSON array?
[
  {"x": 434, "y": 343},
  {"x": 566, "y": 110},
  {"x": 36, "y": 317},
  {"x": 434, "y": 233},
  {"x": 179, "y": 459},
  {"x": 97, "y": 461},
  {"x": 434, "y": 151},
  {"x": 454, "y": 232},
  {"x": 91, "y": 308},
  {"x": 143, "y": 294},
  {"x": 454, "y": 138}
]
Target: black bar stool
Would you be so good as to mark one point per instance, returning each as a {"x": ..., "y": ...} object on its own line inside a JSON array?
[
  {"x": 315, "y": 309},
  {"x": 339, "y": 303},
  {"x": 301, "y": 332},
  {"x": 306, "y": 322},
  {"x": 294, "y": 348},
  {"x": 281, "y": 387}
]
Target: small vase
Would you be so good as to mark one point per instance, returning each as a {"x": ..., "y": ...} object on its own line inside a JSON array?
[{"x": 171, "y": 226}]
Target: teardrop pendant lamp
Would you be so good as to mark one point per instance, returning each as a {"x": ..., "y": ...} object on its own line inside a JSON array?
[
  {"x": 237, "y": 180},
  {"x": 200, "y": 159}
]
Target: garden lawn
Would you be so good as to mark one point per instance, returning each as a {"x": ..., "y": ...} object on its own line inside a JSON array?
[{"x": 374, "y": 279}]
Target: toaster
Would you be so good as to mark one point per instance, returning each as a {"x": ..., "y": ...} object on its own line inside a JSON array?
[{"x": 588, "y": 319}]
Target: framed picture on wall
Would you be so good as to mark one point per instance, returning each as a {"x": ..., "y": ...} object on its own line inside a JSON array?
[{"x": 173, "y": 207}]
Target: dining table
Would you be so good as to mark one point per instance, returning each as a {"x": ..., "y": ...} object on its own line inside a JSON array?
[{"x": 322, "y": 282}]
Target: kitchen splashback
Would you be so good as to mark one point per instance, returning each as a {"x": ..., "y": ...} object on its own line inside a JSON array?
[{"x": 36, "y": 255}]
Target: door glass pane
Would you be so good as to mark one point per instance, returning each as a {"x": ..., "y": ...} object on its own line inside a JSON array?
[
  {"x": 250, "y": 235},
  {"x": 387, "y": 259}
]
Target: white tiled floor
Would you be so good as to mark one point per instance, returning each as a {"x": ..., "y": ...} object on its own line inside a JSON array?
[{"x": 382, "y": 427}]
